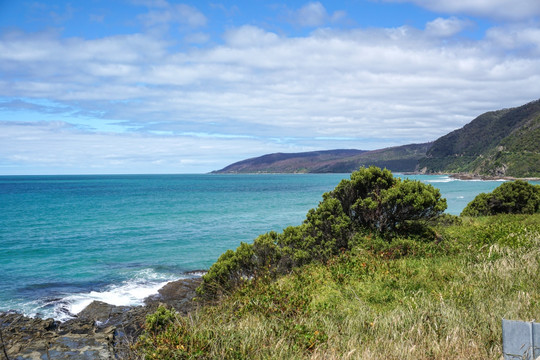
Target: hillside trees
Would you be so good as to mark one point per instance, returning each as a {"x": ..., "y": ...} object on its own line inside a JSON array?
[{"x": 372, "y": 200}]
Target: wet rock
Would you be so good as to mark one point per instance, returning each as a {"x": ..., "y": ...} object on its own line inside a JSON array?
[
  {"x": 176, "y": 294},
  {"x": 100, "y": 331}
]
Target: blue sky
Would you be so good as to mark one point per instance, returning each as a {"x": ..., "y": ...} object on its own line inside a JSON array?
[{"x": 156, "y": 86}]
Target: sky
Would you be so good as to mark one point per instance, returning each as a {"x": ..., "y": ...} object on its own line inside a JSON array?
[{"x": 163, "y": 86}]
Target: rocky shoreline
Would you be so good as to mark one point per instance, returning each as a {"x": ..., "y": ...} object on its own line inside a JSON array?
[{"x": 100, "y": 331}]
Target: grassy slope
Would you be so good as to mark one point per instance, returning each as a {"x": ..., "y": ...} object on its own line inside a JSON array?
[{"x": 442, "y": 300}]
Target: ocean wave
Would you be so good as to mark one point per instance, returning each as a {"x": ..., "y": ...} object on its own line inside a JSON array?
[
  {"x": 444, "y": 179},
  {"x": 131, "y": 292}
]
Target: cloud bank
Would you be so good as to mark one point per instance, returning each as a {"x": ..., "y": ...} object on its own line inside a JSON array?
[
  {"x": 502, "y": 9},
  {"x": 195, "y": 109}
]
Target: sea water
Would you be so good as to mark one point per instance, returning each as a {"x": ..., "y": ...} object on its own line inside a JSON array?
[{"x": 68, "y": 240}]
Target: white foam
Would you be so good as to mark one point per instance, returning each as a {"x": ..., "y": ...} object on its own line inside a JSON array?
[
  {"x": 198, "y": 273},
  {"x": 444, "y": 179},
  {"x": 131, "y": 292}
]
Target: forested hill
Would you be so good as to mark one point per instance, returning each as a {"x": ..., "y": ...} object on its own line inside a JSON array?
[
  {"x": 497, "y": 143},
  {"x": 401, "y": 158}
]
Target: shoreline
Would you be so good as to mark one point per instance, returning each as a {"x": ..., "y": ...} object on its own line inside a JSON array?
[
  {"x": 475, "y": 177},
  {"x": 465, "y": 176},
  {"x": 99, "y": 331}
]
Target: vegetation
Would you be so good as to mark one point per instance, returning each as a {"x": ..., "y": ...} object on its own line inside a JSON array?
[
  {"x": 402, "y": 299},
  {"x": 400, "y": 158},
  {"x": 497, "y": 143},
  {"x": 371, "y": 202},
  {"x": 347, "y": 285},
  {"x": 517, "y": 197}
]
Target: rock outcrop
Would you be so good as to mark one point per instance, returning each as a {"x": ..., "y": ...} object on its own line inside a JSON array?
[{"x": 100, "y": 331}]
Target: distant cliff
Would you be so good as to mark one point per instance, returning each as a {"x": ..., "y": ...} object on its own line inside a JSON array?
[{"x": 498, "y": 143}]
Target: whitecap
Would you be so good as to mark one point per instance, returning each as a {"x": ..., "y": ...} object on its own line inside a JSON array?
[
  {"x": 443, "y": 179},
  {"x": 131, "y": 292}
]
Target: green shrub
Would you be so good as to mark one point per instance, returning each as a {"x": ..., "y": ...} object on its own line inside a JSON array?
[
  {"x": 324, "y": 233},
  {"x": 371, "y": 201},
  {"x": 516, "y": 197},
  {"x": 374, "y": 199},
  {"x": 169, "y": 336},
  {"x": 231, "y": 269}
]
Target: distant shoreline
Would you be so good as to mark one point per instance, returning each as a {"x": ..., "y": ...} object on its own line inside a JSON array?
[{"x": 464, "y": 176}]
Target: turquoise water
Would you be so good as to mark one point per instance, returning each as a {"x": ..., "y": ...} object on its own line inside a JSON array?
[{"x": 67, "y": 240}]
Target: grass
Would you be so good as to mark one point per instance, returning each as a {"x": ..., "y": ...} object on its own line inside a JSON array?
[{"x": 441, "y": 301}]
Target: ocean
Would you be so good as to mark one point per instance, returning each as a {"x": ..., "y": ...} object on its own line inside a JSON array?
[{"x": 68, "y": 240}]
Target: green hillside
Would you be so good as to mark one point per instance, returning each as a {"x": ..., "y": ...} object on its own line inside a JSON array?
[
  {"x": 497, "y": 143},
  {"x": 400, "y": 158}
]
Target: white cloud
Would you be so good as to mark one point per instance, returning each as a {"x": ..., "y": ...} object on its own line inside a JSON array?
[
  {"x": 447, "y": 27},
  {"x": 247, "y": 36},
  {"x": 501, "y": 9},
  {"x": 314, "y": 14},
  {"x": 392, "y": 86},
  {"x": 516, "y": 39},
  {"x": 59, "y": 148}
]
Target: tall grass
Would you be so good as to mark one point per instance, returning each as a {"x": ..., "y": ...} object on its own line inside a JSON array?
[{"x": 445, "y": 301}]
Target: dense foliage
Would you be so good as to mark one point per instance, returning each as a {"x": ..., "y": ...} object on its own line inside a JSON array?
[
  {"x": 372, "y": 202},
  {"x": 516, "y": 197},
  {"x": 433, "y": 302}
]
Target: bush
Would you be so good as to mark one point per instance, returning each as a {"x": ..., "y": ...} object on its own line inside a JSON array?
[
  {"x": 230, "y": 270},
  {"x": 323, "y": 234},
  {"x": 516, "y": 197},
  {"x": 371, "y": 201},
  {"x": 374, "y": 199}
]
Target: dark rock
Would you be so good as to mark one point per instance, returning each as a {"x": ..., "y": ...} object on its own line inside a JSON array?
[
  {"x": 176, "y": 294},
  {"x": 100, "y": 331}
]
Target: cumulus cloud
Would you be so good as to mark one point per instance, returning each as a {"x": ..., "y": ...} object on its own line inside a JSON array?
[
  {"x": 518, "y": 39},
  {"x": 248, "y": 35},
  {"x": 258, "y": 92},
  {"x": 314, "y": 14},
  {"x": 501, "y": 9},
  {"x": 447, "y": 27}
]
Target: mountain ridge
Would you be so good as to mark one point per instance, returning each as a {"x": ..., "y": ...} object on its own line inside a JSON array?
[{"x": 500, "y": 143}]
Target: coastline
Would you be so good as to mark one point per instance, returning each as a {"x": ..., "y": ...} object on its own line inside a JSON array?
[
  {"x": 466, "y": 176},
  {"x": 99, "y": 331},
  {"x": 475, "y": 177}
]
